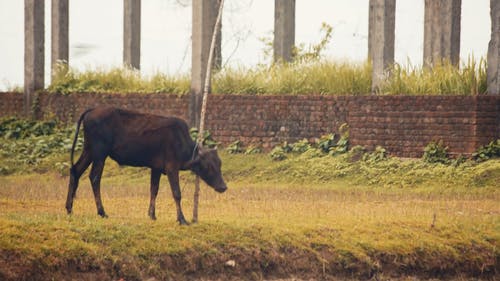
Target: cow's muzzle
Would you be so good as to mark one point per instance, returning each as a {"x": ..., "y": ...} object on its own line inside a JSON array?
[{"x": 221, "y": 188}]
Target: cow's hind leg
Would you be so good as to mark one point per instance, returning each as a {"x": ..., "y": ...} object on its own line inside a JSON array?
[
  {"x": 173, "y": 178},
  {"x": 155, "y": 183},
  {"x": 75, "y": 173},
  {"x": 95, "y": 180}
]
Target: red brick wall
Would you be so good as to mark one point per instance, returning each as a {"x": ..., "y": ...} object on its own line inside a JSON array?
[
  {"x": 69, "y": 107},
  {"x": 270, "y": 120},
  {"x": 11, "y": 104},
  {"x": 403, "y": 125}
]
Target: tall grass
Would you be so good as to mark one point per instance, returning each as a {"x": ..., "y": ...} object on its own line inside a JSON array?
[
  {"x": 117, "y": 80},
  {"x": 299, "y": 78},
  {"x": 441, "y": 79},
  {"x": 296, "y": 78}
]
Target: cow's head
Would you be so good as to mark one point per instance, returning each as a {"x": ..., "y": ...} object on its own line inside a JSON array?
[{"x": 207, "y": 165}]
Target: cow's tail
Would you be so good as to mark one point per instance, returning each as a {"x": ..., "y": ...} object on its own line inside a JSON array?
[{"x": 76, "y": 137}]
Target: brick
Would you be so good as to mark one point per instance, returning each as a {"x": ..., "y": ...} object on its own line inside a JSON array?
[{"x": 405, "y": 124}]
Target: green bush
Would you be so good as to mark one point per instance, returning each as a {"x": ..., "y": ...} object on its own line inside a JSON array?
[
  {"x": 235, "y": 147},
  {"x": 491, "y": 150},
  {"x": 208, "y": 141},
  {"x": 252, "y": 150},
  {"x": 278, "y": 153},
  {"x": 324, "y": 145},
  {"x": 326, "y": 142},
  {"x": 301, "y": 146},
  {"x": 377, "y": 155},
  {"x": 14, "y": 128},
  {"x": 436, "y": 152},
  {"x": 28, "y": 143}
]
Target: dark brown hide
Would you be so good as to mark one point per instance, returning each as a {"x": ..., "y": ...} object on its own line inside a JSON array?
[{"x": 142, "y": 140}]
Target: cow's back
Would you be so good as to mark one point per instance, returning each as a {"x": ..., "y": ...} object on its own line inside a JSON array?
[{"x": 137, "y": 139}]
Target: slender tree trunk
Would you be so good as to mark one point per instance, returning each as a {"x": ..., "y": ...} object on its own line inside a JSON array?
[{"x": 204, "y": 106}]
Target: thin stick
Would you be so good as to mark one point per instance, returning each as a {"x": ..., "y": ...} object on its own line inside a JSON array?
[{"x": 204, "y": 105}]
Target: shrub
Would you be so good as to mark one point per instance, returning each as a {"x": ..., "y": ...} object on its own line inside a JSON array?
[
  {"x": 208, "y": 141},
  {"x": 326, "y": 142},
  {"x": 377, "y": 155},
  {"x": 436, "y": 152},
  {"x": 342, "y": 145},
  {"x": 13, "y": 128},
  {"x": 253, "y": 150},
  {"x": 235, "y": 147},
  {"x": 27, "y": 142},
  {"x": 301, "y": 146},
  {"x": 278, "y": 153},
  {"x": 491, "y": 150}
]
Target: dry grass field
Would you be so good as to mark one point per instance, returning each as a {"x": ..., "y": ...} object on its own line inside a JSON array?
[{"x": 275, "y": 221}]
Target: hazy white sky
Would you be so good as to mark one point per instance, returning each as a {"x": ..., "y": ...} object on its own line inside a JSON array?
[{"x": 96, "y": 32}]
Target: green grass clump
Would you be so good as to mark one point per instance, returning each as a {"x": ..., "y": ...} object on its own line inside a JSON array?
[
  {"x": 117, "y": 80},
  {"x": 441, "y": 79}
]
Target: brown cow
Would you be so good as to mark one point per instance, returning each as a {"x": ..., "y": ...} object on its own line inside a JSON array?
[{"x": 142, "y": 140}]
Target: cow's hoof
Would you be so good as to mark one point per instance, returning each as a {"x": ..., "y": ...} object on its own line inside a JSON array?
[
  {"x": 103, "y": 215},
  {"x": 183, "y": 222},
  {"x": 153, "y": 217}
]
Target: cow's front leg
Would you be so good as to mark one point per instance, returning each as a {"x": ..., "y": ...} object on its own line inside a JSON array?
[
  {"x": 155, "y": 183},
  {"x": 173, "y": 178}
]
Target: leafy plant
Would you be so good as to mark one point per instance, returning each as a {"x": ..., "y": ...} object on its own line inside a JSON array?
[
  {"x": 29, "y": 144},
  {"x": 301, "y": 146},
  {"x": 342, "y": 145},
  {"x": 235, "y": 147},
  {"x": 208, "y": 141},
  {"x": 485, "y": 152},
  {"x": 326, "y": 142},
  {"x": 279, "y": 152},
  {"x": 436, "y": 152},
  {"x": 253, "y": 150},
  {"x": 458, "y": 161},
  {"x": 14, "y": 128},
  {"x": 356, "y": 153},
  {"x": 377, "y": 155}
]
